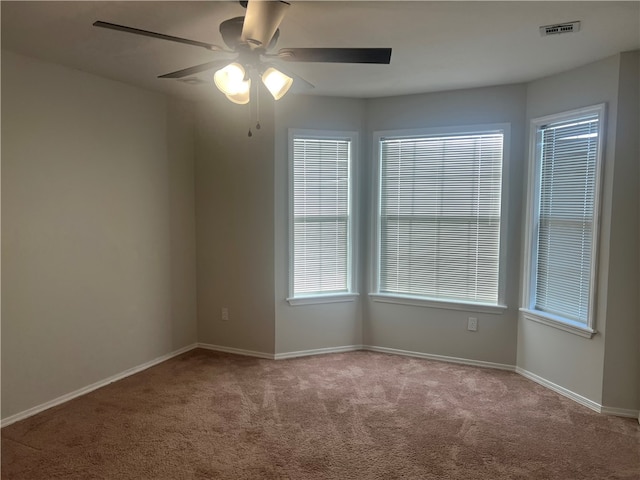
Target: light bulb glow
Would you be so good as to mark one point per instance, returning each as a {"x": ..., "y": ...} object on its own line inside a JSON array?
[
  {"x": 276, "y": 82},
  {"x": 230, "y": 79},
  {"x": 242, "y": 96}
]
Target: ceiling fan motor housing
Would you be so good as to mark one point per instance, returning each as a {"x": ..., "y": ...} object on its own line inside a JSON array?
[{"x": 231, "y": 31}]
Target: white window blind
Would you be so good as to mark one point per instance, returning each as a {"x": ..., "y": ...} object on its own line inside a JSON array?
[
  {"x": 439, "y": 219},
  {"x": 567, "y": 188},
  {"x": 321, "y": 215}
]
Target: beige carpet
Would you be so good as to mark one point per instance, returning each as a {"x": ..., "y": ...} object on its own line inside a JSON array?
[{"x": 359, "y": 415}]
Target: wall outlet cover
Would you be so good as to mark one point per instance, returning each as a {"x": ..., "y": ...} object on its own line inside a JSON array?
[{"x": 472, "y": 325}]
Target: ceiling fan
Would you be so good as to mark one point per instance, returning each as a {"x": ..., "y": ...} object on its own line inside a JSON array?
[{"x": 250, "y": 40}]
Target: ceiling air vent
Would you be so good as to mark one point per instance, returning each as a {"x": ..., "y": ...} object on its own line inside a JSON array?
[{"x": 568, "y": 27}]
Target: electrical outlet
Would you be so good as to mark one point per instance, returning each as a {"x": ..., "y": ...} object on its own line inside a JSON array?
[
  {"x": 224, "y": 314},
  {"x": 472, "y": 325}
]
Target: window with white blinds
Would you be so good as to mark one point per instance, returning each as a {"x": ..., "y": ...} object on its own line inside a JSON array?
[
  {"x": 564, "y": 217},
  {"x": 439, "y": 222},
  {"x": 321, "y": 215}
]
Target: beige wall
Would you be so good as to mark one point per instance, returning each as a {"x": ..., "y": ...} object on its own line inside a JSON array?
[
  {"x": 434, "y": 330},
  {"x": 307, "y": 327},
  {"x": 622, "y": 356},
  {"x": 180, "y": 133},
  {"x": 235, "y": 226},
  {"x": 98, "y": 264},
  {"x": 570, "y": 361}
]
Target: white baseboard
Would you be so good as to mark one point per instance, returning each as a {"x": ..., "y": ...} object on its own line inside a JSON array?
[
  {"x": 318, "y": 351},
  {"x": 561, "y": 390},
  {"x": 94, "y": 386},
  {"x": 441, "y": 358},
  {"x": 279, "y": 356},
  {"x": 620, "y": 412},
  {"x": 237, "y": 351}
]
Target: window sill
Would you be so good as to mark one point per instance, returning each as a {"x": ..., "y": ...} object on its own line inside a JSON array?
[
  {"x": 318, "y": 299},
  {"x": 448, "y": 305},
  {"x": 555, "y": 322}
]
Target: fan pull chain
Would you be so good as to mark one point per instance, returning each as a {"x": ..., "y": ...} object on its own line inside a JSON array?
[
  {"x": 257, "y": 107},
  {"x": 250, "y": 133},
  {"x": 258, "y": 126}
]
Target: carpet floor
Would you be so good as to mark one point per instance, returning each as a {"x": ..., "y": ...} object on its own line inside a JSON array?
[{"x": 359, "y": 415}]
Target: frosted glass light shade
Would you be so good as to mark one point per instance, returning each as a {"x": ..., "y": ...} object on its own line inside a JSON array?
[
  {"x": 230, "y": 79},
  {"x": 276, "y": 82},
  {"x": 242, "y": 96}
]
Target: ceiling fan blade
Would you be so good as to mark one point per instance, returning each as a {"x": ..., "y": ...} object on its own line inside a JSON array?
[
  {"x": 261, "y": 21},
  {"x": 161, "y": 36},
  {"x": 299, "y": 83},
  {"x": 197, "y": 69},
  {"x": 336, "y": 55}
]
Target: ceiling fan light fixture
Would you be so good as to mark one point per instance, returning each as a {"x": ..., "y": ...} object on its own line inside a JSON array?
[
  {"x": 276, "y": 82},
  {"x": 250, "y": 38},
  {"x": 230, "y": 79}
]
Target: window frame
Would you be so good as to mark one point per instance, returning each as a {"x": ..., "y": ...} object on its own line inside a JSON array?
[
  {"x": 352, "y": 231},
  {"x": 528, "y": 296},
  {"x": 375, "y": 246}
]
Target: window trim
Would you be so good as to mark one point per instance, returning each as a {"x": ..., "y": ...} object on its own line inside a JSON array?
[
  {"x": 528, "y": 312},
  {"x": 322, "y": 298},
  {"x": 374, "y": 247},
  {"x": 352, "y": 236},
  {"x": 417, "y": 301}
]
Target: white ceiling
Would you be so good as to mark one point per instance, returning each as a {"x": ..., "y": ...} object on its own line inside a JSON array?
[{"x": 436, "y": 45}]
